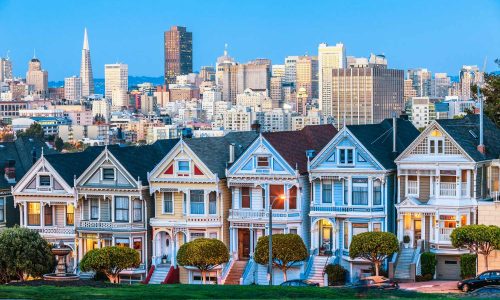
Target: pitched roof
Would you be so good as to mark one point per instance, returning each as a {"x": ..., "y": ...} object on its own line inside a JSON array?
[
  {"x": 71, "y": 165},
  {"x": 465, "y": 132},
  {"x": 214, "y": 151},
  {"x": 292, "y": 145},
  {"x": 378, "y": 139},
  {"x": 21, "y": 151}
]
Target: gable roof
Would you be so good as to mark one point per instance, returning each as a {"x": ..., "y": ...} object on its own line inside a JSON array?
[
  {"x": 21, "y": 151},
  {"x": 377, "y": 139},
  {"x": 214, "y": 151},
  {"x": 292, "y": 145},
  {"x": 460, "y": 131},
  {"x": 69, "y": 165}
]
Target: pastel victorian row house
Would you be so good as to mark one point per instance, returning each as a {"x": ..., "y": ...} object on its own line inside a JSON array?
[
  {"x": 271, "y": 172},
  {"x": 353, "y": 182},
  {"x": 442, "y": 176}
]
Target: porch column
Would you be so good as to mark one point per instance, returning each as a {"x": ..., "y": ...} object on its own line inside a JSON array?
[
  {"x": 112, "y": 208},
  {"x": 422, "y": 218},
  {"x": 130, "y": 209},
  {"x": 251, "y": 242},
  {"x": 188, "y": 202},
  {"x": 349, "y": 190},
  {"x": 205, "y": 202},
  {"x": 398, "y": 196},
  {"x": 25, "y": 207},
  {"x": 467, "y": 184},
  {"x": 174, "y": 250},
  {"x": 459, "y": 183},
  {"x": 400, "y": 226},
  {"x": 436, "y": 229},
  {"x": 42, "y": 215}
]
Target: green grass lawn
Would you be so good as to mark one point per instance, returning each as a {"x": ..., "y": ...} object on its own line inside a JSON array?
[{"x": 151, "y": 292}]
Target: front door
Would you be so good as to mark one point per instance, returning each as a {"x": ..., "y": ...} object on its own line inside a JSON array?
[
  {"x": 325, "y": 240},
  {"x": 417, "y": 232},
  {"x": 244, "y": 243}
]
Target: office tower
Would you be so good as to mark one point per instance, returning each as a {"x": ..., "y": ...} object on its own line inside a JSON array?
[
  {"x": 364, "y": 95},
  {"x": 278, "y": 70},
  {"x": 115, "y": 79},
  {"x": 5, "y": 69},
  {"x": 222, "y": 61},
  {"x": 255, "y": 75},
  {"x": 229, "y": 81},
  {"x": 408, "y": 90},
  {"x": 290, "y": 69},
  {"x": 207, "y": 73},
  {"x": 303, "y": 100},
  {"x": 440, "y": 85},
  {"x": 421, "y": 81},
  {"x": 276, "y": 92},
  {"x": 178, "y": 53},
  {"x": 73, "y": 88},
  {"x": 307, "y": 76},
  {"x": 469, "y": 76},
  {"x": 86, "y": 68},
  {"x": 329, "y": 58},
  {"x": 37, "y": 77},
  {"x": 377, "y": 61}
]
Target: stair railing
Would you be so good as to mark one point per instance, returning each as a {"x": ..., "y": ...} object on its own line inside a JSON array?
[
  {"x": 249, "y": 270},
  {"x": 226, "y": 269},
  {"x": 308, "y": 268}
]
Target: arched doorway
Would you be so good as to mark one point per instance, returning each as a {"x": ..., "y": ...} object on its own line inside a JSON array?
[
  {"x": 324, "y": 239},
  {"x": 163, "y": 247}
]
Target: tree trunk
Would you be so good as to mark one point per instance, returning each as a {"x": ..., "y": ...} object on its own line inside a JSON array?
[
  {"x": 377, "y": 267},
  {"x": 284, "y": 274},
  {"x": 203, "y": 277},
  {"x": 486, "y": 261},
  {"x": 113, "y": 278}
]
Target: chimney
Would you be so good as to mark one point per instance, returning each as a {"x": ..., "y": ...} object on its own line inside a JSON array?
[
  {"x": 310, "y": 154},
  {"x": 231, "y": 153},
  {"x": 394, "y": 132},
  {"x": 10, "y": 171}
]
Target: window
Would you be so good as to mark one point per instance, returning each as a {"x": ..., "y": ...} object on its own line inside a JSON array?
[
  {"x": 70, "y": 215},
  {"x": 137, "y": 210},
  {"x": 47, "y": 215},
  {"x": 277, "y": 196},
  {"x": 213, "y": 235},
  {"x": 168, "y": 203},
  {"x": 121, "y": 209},
  {"x": 94, "y": 209},
  {"x": 262, "y": 162},
  {"x": 197, "y": 202},
  {"x": 196, "y": 235},
  {"x": 293, "y": 230},
  {"x": 263, "y": 197},
  {"x": 44, "y": 180},
  {"x": 377, "y": 192},
  {"x": 292, "y": 198},
  {"x": 358, "y": 228},
  {"x": 2, "y": 209},
  {"x": 212, "y": 203},
  {"x": 137, "y": 244},
  {"x": 183, "y": 166},
  {"x": 346, "y": 192},
  {"x": 122, "y": 242},
  {"x": 326, "y": 196},
  {"x": 346, "y": 235},
  {"x": 184, "y": 203},
  {"x": 436, "y": 146},
  {"x": 245, "y": 197},
  {"x": 346, "y": 156},
  {"x": 108, "y": 174},
  {"x": 33, "y": 214},
  {"x": 360, "y": 191},
  {"x": 377, "y": 227}
]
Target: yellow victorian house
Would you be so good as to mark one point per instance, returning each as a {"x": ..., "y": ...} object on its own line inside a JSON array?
[{"x": 192, "y": 201}]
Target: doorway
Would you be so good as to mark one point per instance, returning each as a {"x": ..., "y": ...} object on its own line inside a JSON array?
[
  {"x": 243, "y": 243},
  {"x": 325, "y": 237},
  {"x": 417, "y": 231}
]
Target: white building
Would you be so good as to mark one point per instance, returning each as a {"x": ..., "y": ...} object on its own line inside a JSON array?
[
  {"x": 73, "y": 88},
  {"x": 102, "y": 108},
  {"x": 237, "y": 118},
  {"x": 255, "y": 99},
  {"x": 329, "y": 57},
  {"x": 115, "y": 78},
  {"x": 291, "y": 69},
  {"x": 314, "y": 117}
]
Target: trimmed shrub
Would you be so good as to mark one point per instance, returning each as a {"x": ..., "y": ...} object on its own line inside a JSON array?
[
  {"x": 426, "y": 277},
  {"x": 336, "y": 274},
  {"x": 374, "y": 247},
  {"x": 428, "y": 263},
  {"x": 468, "y": 265}
]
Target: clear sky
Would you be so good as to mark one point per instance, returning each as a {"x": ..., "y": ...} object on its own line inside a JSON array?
[{"x": 439, "y": 35}]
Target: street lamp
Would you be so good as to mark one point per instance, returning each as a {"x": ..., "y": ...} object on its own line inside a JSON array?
[{"x": 270, "y": 266}]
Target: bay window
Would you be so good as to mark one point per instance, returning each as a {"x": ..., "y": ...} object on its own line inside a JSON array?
[
  {"x": 137, "y": 210},
  {"x": 358, "y": 228},
  {"x": 377, "y": 192},
  {"x": 326, "y": 194},
  {"x": 197, "y": 202},
  {"x": 360, "y": 191},
  {"x": 121, "y": 209},
  {"x": 33, "y": 214},
  {"x": 137, "y": 244},
  {"x": 292, "y": 198}
]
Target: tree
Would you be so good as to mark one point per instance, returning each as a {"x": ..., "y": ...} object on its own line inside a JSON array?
[
  {"x": 374, "y": 247},
  {"x": 59, "y": 144},
  {"x": 203, "y": 254},
  {"x": 480, "y": 239},
  {"x": 491, "y": 92},
  {"x": 288, "y": 249},
  {"x": 24, "y": 253},
  {"x": 34, "y": 131},
  {"x": 110, "y": 261}
]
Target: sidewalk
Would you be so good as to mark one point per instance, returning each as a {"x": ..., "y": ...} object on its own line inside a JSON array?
[{"x": 433, "y": 286}]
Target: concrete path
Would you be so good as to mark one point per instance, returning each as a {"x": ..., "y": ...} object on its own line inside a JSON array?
[{"x": 433, "y": 286}]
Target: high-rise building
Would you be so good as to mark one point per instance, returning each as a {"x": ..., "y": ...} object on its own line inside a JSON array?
[
  {"x": 222, "y": 61},
  {"x": 441, "y": 85},
  {"x": 469, "y": 76},
  {"x": 421, "y": 81},
  {"x": 229, "y": 81},
  {"x": 5, "y": 69},
  {"x": 276, "y": 92},
  {"x": 178, "y": 53},
  {"x": 207, "y": 73},
  {"x": 37, "y": 77},
  {"x": 115, "y": 79},
  {"x": 409, "y": 91},
  {"x": 329, "y": 58},
  {"x": 86, "y": 68},
  {"x": 73, "y": 88},
  {"x": 278, "y": 70},
  {"x": 307, "y": 76},
  {"x": 364, "y": 95},
  {"x": 290, "y": 69},
  {"x": 255, "y": 75}
]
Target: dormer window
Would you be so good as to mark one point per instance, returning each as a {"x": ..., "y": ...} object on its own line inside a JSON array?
[
  {"x": 262, "y": 161},
  {"x": 436, "y": 146},
  {"x": 44, "y": 181},
  {"x": 108, "y": 174},
  {"x": 183, "y": 166},
  {"x": 346, "y": 156}
]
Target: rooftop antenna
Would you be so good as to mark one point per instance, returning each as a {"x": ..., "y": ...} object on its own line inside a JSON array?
[{"x": 34, "y": 53}]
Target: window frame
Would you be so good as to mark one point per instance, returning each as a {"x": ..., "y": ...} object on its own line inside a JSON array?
[
  {"x": 91, "y": 206},
  {"x": 127, "y": 209},
  {"x": 134, "y": 210},
  {"x": 257, "y": 162},
  {"x": 198, "y": 202},
  {"x": 328, "y": 184},
  {"x": 40, "y": 181},
  {"x": 163, "y": 200},
  {"x": 242, "y": 195},
  {"x": 210, "y": 200},
  {"x": 377, "y": 184},
  {"x": 178, "y": 166},
  {"x": 343, "y": 156},
  {"x": 103, "y": 174},
  {"x": 363, "y": 192}
]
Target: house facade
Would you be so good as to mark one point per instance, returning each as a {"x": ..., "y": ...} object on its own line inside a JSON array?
[
  {"x": 353, "y": 189},
  {"x": 441, "y": 177}
]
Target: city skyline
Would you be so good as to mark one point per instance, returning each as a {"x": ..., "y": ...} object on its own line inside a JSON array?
[{"x": 272, "y": 33}]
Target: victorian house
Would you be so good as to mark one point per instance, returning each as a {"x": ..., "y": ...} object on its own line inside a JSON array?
[
  {"x": 353, "y": 190},
  {"x": 271, "y": 175},
  {"x": 114, "y": 204},
  {"x": 192, "y": 201},
  {"x": 441, "y": 177}
]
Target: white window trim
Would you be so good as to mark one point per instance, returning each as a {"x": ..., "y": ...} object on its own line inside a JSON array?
[
  {"x": 163, "y": 204},
  {"x": 339, "y": 163},
  {"x": 269, "y": 158},
  {"x": 177, "y": 171},
  {"x": 102, "y": 174},
  {"x": 38, "y": 185},
  {"x": 241, "y": 198},
  {"x": 435, "y": 139}
]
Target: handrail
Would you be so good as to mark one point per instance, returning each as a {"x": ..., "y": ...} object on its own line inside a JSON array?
[
  {"x": 308, "y": 269},
  {"x": 326, "y": 264},
  {"x": 226, "y": 269},
  {"x": 248, "y": 268},
  {"x": 150, "y": 274}
]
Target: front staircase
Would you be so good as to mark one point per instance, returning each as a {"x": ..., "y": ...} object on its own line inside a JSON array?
[
  {"x": 403, "y": 262},
  {"x": 317, "y": 269},
  {"x": 159, "y": 274},
  {"x": 236, "y": 272}
]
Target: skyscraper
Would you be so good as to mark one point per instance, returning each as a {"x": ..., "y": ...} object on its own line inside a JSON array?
[
  {"x": 115, "y": 82},
  {"x": 440, "y": 85},
  {"x": 421, "y": 81},
  {"x": 37, "y": 77},
  {"x": 255, "y": 75},
  {"x": 469, "y": 75},
  {"x": 5, "y": 69},
  {"x": 329, "y": 58},
  {"x": 290, "y": 69},
  {"x": 73, "y": 88},
  {"x": 307, "y": 76},
  {"x": 86, "y": 68},
  {"x": 178, "y": 53}
]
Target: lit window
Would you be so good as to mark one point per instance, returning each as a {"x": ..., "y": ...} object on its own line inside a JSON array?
[
  {"x": 377, "y": 227},
  {"x": 44, "y": 180},
  {"x": 183, "y": 166},
  {"x": 122, "y": 242},
  {"x": 70, "y": 215},
  {"x": 34, "y": 214},
  {"x": 108, "y": 174},
  {"x": 262, "y": 162}
]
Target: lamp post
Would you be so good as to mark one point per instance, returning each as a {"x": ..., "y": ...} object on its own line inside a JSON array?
[{"x": 270, "y": 266}]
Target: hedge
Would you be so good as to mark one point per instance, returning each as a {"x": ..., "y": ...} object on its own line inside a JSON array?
[{"x": 468, "y": 265}]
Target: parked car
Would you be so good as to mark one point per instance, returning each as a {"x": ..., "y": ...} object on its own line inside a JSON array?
[
  {"x": 299, "y": 282},
  {"x": 376, "y": 282},
  {"x": 486, "y": 278},
  {"x": 492, "y": 291}
]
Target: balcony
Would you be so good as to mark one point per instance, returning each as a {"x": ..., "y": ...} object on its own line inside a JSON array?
[
  {"x": 447, "y": 189},
  {"x": 345, "y": 209},
  {"x": 54, "y": 230},
  {"x": 444, "y": 234},
  {"x": 261, "y": 214},
  {"x": 204, "y": 219},
  {"x": 96, "y": 225}
]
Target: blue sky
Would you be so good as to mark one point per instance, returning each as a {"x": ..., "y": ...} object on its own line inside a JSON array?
[{"x": 439, "y": 35}]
